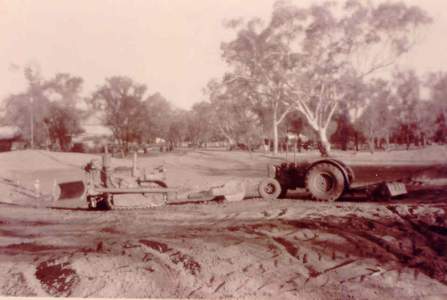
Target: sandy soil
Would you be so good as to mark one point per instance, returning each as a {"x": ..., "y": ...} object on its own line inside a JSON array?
[{"x": 213, "y": 249}]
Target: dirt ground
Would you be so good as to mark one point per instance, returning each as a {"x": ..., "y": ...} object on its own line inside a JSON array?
[{"x": 284, "y": 249}]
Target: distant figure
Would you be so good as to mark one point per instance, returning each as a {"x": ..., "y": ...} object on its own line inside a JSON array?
[
  {"x": 37, "y": 186},
  {"x": 299, "y": 144}
]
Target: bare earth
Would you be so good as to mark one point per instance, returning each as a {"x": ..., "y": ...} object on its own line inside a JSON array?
[{"x": 286, "y": 249}]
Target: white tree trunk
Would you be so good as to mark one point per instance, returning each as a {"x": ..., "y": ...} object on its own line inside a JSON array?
[
  {"x": 322, "y": 134},
  {"x": 315, "y": 121},
  {"x": 230, "y": 140}
]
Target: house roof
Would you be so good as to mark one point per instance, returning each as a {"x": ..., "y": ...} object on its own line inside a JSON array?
[
  {"x": 9, "y": 132},
  {"x": 93, "y": 127}
]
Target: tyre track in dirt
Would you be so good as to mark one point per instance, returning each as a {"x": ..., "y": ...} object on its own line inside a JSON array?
[
  {"x": 285, "y": 249},
  {"x": 365, "y": 238}
]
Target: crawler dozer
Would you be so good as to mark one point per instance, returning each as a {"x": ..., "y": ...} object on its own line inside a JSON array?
[{"x": 101, "y": 184}]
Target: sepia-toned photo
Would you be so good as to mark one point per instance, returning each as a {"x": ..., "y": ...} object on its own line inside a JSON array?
[{"x": 211, "y": 149}]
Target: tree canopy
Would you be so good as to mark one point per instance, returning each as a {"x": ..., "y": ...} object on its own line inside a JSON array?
[{"x": 121, "y": 101}]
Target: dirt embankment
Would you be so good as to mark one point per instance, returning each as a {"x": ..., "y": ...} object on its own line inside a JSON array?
[{"x": 251, "y": 248}]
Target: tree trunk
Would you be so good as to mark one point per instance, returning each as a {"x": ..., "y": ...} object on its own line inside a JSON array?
[
  {"x": 356, "y": 140},
  {"x": 275, "y": 134},
  {"x": 387, "y": 142},
  {"x": 407, "y": 141},
  {"x": 344, "y": 143},
  {"x": 325, "y": 145},
  {"x": 230, "y": 140},
  {"x": 122, "y": 148},
  {"x": 371, "y": 145}
]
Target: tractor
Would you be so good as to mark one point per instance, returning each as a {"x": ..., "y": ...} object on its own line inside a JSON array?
[{"x": 329, "y": 179}]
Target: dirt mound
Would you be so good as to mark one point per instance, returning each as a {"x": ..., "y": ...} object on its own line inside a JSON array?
[
  {"x": 40, "y": 160},
  {"x": 429, "y": 155}
]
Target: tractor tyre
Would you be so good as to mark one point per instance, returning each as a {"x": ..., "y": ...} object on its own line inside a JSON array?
[
  {"x": 325, "y": 182},
  {"x": 91, "y": 203},
  {"x": 106, "y": 203},
  {"x": 269, "y": 189}
]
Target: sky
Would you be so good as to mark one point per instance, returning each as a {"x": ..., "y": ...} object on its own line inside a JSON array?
[{"x": 172, "y": 46}]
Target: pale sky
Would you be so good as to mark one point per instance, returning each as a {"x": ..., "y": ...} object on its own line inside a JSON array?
[{"x": 172, "y": 46}]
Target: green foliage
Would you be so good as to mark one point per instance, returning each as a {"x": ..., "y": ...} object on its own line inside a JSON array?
[
  {"x": 201, "y": 124},
  {"x": 232, "y": 114},
  {"x": 437, "y": 83},
  {"x": 65, "y": 87},
  {"x": 305, "y": 67},
  {"x": 302, "y": 57},
  {"x": 159, "y": 117},
  {"x": 44, "y": 102},
  {"x": 259, "y": 59},
  {"x": 379, "y": 118},
  {"x": 344, "y": 131},
  {"x": 395, "y": 111},
  {"x": 121, "y": 101},
  {"x": 62, "y": 122},
  {"x": 178, "y": 127}
]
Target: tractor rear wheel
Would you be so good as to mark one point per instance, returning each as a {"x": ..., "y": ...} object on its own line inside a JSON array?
[
  {"x": 325, "y": 182},
  {"x": 269, "y": 189}
]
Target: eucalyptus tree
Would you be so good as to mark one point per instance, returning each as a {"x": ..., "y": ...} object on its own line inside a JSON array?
[
  {"x": 160, "y": 113},
  {"x": 437, "y": 110},
  {"x": 121, "y": 101},
  {"x": 259, "y": 58},
  {"x": 46, "y": 111},
  {"x": 356, "y": 40},
  {"x": 201, "y": 127},
  {"x": 300, "y": 57},
  {"x": 232, "y": 112},
  {"x": 378, "y": 119}
]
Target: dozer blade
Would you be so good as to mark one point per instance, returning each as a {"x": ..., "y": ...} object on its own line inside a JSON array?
[{"x": 69, "y": 190}]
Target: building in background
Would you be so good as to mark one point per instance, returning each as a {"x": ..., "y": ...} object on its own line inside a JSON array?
[
  {"x": 95, "y": 135},
  {"x": 10, "y": 138}
]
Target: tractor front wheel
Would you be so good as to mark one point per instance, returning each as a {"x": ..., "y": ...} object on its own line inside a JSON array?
[
  {"x": 269, "y": 189},
  {"x": 325, "y": 182}
]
